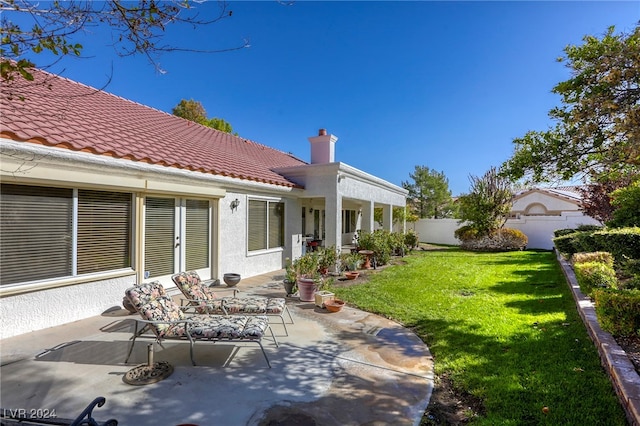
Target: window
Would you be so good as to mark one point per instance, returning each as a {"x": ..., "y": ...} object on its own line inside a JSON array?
[
  {"x": 37, "y": 237},
  {"x": 349, "y": 221},
  {"x": 266, "y": 225}
]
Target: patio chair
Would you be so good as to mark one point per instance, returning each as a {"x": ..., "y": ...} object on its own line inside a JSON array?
[
  {"x": 165, "y": 318},
  {"x": 205, "y": 301}
]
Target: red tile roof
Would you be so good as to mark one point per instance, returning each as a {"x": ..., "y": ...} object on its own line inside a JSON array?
[{"x": 66, "y": 114}]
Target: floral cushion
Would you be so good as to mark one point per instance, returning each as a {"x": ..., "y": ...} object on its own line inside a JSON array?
[
  {"x": 163, "y": 308},
  {"x": 206, "y": 301},
  {"x": 143, "y": 293},
  {"x": 198, "y": 294},
  {"x": 256, "y": 327}
]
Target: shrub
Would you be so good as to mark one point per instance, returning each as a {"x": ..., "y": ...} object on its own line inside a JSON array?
[
  {"x": 505, "y": 239},
  {"x": 621, "y": 242},
  {"x": 564, "y": 244},
  {"x": 465, "y": 233},
  {"x": 595, "y": 256},
  {"x": 379, "y": 242},
  {"x": 618, "y": 311},
  {"x": 411, "y": 239},
  {"x": 511, "y": 239},
  {"x": 592, "y": 275},
  {"x": 580, "y": 228},
  {"x": 588, "y": 228}
]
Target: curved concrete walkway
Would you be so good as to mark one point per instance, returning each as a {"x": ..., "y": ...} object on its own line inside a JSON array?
[{"x": 345, "y": 368}]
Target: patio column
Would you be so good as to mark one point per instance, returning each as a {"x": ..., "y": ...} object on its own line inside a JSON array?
[
  {"x": 333, "y": 225},
  {"x": 387, "y": 217},
  {"x": 367, "y": 223}
]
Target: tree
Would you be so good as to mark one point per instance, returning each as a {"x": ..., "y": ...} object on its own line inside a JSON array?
[
  {"x": 627, "y": 203},
  {"x": 190, "y": 110},
  {"x": 598, "y": 126},
  {"x": 596, "y": 197},
  {"x": 488, "y": 203},
  {"x": 36, "y": 27},
  {"x": 194, "y": 111},
  {"x": 430, "y": 193}
]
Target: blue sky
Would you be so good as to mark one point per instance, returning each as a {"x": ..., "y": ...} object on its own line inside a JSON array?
[{"x": 446, "y": 85}]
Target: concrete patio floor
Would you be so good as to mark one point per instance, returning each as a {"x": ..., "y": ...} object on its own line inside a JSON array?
[{"x": 345, "y": 368}]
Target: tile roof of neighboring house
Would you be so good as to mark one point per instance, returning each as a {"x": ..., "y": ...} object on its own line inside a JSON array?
[
  {"x": 571, "y": 193},
  {"x": 66, "y": 114}
]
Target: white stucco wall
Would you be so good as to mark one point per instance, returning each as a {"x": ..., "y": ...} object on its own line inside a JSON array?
[
  {"x": 41, "y": 309},
  {"x": 233, "y": 253},
  {"x": 538, "y": 229}
]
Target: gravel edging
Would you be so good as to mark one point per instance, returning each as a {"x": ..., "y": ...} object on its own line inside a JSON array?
[{"x": 624, "y": 377}]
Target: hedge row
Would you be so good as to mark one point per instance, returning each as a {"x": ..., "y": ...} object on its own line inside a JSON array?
[
  {"x": 622, "y": 243},
  {"x": 618, "y": 311}
]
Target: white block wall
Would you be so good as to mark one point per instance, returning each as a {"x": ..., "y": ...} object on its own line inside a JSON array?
[{"x": 538, "y": 229}]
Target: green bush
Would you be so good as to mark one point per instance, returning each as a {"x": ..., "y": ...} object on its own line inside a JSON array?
[
  {"x": 504, "y": 239},
  {"x": 411, "y": 239},
  {"x": 621, "y": 243},
  {"x": 618, "y": 311},
  {"x": 592, "y": 275},
  {"x": 594, "y": 256},
  {"x": 565, "y": 244},
  {"x": 563, "y": 232},
  {"x": 465, "y": 233},
  {"x": 380, "y": 242}
]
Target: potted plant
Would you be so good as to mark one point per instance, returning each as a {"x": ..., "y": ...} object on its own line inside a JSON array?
[
  {"x": 308, "y": 276},
  {"x": 350, "y": 261},
  {"x": 290, "y": 277},
  {"x": 328, "y": 256}
]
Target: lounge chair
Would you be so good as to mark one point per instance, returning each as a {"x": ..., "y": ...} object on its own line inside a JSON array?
[
  {"x": 205, "y": 301},
  {"x": 166, "y": 319}
]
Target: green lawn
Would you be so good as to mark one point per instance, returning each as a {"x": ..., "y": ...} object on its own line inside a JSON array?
[{"x": 504, "y": 327}]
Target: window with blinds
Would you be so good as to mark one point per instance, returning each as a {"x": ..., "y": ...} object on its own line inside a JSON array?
[
  {"x": 197, "y": 234},
  {"x": 159, "y": 236},
  {"x": 266, "y": 225},
  {"x": 37, "y": 240},
  {"x": 36, "y": 233},
  {"x": 104, "y": 231}
]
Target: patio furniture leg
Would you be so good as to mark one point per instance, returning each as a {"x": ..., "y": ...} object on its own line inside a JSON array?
[
  {"x": 264, "y": 352},
  {"x": 133, "y": 340}
]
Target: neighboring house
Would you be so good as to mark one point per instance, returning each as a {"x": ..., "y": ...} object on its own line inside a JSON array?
[
  {"x": 537, "y": 212},
  {"x": 99, "y": 193}
]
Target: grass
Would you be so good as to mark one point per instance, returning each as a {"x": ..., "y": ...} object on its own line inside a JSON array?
[{"x": 504, "y": 328}]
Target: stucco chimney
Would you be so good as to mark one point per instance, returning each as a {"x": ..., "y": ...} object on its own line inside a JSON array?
[{"x": 322, "y": 148}]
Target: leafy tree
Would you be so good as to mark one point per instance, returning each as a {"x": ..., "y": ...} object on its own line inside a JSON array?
[
  {"x": 627, "y": 203},
  {"x": 598, "y": 126},
  {"x": 430, "y": 193},
  {"x": 35, "y": 27},
  {"x": 488, "y": 203},
  {"x": 190, "y": 110},
  {"x": 596, "y": 197},
  {"x": 194, "y": 111},
  {"x": 219, "y": 124}
]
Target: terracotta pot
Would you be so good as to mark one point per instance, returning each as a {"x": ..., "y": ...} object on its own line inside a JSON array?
[
  {"x": 334, "y": 305},
  {"x": 351, "y": 275},
  {"x": 306, "y": 289}
]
